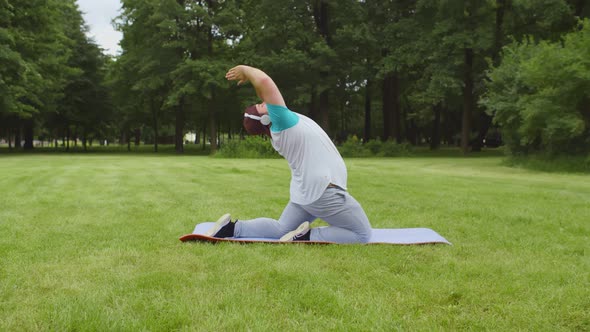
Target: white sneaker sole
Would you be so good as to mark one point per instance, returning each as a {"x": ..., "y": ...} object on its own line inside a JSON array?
[
  {"x": 222, "y": 221},
  {"x": 302, "y": 229}
]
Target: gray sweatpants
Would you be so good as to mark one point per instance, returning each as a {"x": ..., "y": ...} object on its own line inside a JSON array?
[{"x": 347, "y": 219}]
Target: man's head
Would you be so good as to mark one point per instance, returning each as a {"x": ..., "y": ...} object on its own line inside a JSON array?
[{"x": 254, "y": 126}]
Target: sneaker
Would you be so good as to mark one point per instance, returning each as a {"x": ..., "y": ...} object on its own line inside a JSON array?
[
  {"x": 221, "y": 222},
  {"x": 297, "y": 234}
]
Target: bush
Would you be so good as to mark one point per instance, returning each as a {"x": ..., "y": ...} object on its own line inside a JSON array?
[
  {"x": 250, "y": 147},
  {"x": 374, "y": 146},
  {"x": 540, "y": 93},
  {"x": 354, "y": 148},
  {"x": 393, "y": 149},
  {"x": 258, "y": 147}
]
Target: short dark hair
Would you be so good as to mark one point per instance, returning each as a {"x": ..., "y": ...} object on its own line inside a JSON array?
[{"x": 254, "y": 127}]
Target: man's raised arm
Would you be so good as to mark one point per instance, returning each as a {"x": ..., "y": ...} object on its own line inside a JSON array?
[{"x": 265, "y": 87}]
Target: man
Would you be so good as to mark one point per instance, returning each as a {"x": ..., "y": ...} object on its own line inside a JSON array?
[{"x": 318, "y": 174}]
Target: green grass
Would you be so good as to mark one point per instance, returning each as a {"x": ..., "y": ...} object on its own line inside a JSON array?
[{"x": 90, "y": 242}]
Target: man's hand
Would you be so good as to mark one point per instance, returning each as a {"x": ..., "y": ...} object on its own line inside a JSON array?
[
  {"x": 265, "y": 88},
  {"x": 237, "y": 73}
]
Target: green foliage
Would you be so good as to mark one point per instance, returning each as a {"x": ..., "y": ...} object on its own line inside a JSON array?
[
  {"x": 354, "y": 148},
  {"x": 50, "y": 71},
  {"x": 249, "y": 147},
  {"x": 541, "y": 92},
  {"x": 33, "y": 52},
  {"x": 339, "y": 62}
]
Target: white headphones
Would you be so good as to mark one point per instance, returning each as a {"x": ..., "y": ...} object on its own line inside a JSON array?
[{"x": 265, "y": 119}]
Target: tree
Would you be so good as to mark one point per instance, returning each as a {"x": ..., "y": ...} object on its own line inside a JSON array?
[
  {"x": 540, "y": 94},
  {"x": 150, "y": 49},
  {"x": 199, "y": 78},
  {"x": 38, "y": 49},
  {"x": 85, "y": 101}
]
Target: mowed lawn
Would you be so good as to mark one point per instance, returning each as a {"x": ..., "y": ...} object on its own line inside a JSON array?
[{"x": 90, "y": 242}]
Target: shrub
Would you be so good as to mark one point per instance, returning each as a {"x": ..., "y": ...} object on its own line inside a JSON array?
[
  {"x": 258, "y": 147},
  {"x": 540, "y": 93},
  {"x": 374, "y": 146},
  {"x": 393, "y": 149},
  {"x": 250, "y": 147},
  {"x": 354, "y": 148}
]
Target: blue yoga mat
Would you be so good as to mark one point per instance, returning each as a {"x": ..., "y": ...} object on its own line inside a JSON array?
[{"x": 401, "y": 236}]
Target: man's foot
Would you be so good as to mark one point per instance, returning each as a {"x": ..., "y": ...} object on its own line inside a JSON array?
[
  {"x": 300, "y": 234},
  {"x": 222, "y": 228}
]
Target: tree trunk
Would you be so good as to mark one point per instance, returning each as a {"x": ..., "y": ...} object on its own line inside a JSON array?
[
  {"x": 137, "y": 136},
  {"x": 386, "y": 108},
  {"x": 212, "y": 124},
  {"x": 313, "y": 105},
  {"x": 325, "y": 110},
  {"x": 179, "y": 129},
  {"x": 123, "y": 139},
  {"x": 28, "y": 134},
  {"x": 343, "y": 121},
  {"x": 204, "y": 134},
  {"x": 17, "y": 138},
  {"x": 391, "y": 108},
  {"x": 411, "y": 132},
  {"x": 212, "y": 106},
  {"x": 396, "y": 109},
  {"x": 128, "y": 139},
  {"x": 68, "y": 139},
  {"x": 498, "y": 33},
  {"x": 367, "y": 131},
  {"x": 155, "y": 125},
  {"x": 579, "y": 8},
  {"x": 435, "y": 137},
  {"x": 321, "y": 17},
  {"x": 84, "y": 140},
  {"x": 467, "y": 100},
  {"x": 485, "y": 120}
]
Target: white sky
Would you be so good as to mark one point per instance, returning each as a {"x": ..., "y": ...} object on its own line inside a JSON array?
[{"x": 98, "y": 15}]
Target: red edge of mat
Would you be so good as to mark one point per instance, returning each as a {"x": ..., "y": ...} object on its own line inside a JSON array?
[{"x": 210, "y": 239}]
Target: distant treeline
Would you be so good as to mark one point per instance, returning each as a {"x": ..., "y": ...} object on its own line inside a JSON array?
[{"x": 427, "y": 72}]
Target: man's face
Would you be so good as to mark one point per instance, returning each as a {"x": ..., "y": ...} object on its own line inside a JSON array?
[{"x": 261, "y": 108}]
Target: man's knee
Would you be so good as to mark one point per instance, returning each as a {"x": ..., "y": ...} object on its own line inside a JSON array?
[{"x": 365, "y": 236}]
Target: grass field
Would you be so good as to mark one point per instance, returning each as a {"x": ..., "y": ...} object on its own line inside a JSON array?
[{"x": 90, "y": 242}]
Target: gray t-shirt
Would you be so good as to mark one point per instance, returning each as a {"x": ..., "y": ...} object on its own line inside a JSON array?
[{"x": 314, "y": 160}]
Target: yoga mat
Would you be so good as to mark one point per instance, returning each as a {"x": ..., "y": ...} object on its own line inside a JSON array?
[{"x": 399, "y": 236}]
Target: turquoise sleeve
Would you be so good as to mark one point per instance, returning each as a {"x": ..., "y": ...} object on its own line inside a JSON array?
[{"x": 281, "y": 118}]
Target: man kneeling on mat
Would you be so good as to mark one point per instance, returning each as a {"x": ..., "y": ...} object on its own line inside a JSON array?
[{"x": 318, "y": 174}]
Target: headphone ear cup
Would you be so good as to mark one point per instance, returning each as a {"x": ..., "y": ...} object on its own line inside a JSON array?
[{"x": 265, "y": 120}]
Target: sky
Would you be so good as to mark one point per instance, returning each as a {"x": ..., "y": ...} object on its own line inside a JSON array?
[{"x": 98, "y": 15}]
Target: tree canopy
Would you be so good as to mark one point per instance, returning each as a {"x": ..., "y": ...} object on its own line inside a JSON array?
[{"x": 424, "y": 72}]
